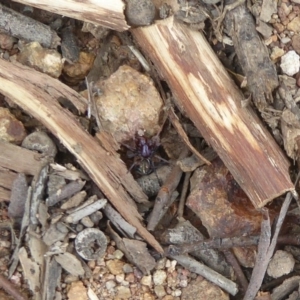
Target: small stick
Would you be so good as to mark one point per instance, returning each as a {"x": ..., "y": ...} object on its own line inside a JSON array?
[
  {"x": 183, "y": 195},
  {"x": 165, "y": 193},
  {"x": 140, "y": 58},
  {"x": 216, "y": 243},
  {"x": 230, "y": 257},
  {"x": 266, "y": 248},
  {"x": 175, "y": 122},
  {"x": 226, "y": 243},
  {"x": 66, "y": 191},
  {"x": 10, "y": 289},
  {"x": 25, "y": 28},
  {"x": 211, "y": 275},
  {"x": 92, "y": 107}
]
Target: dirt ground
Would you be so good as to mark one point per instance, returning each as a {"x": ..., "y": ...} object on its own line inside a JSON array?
[{"x": 149, "y": 150}]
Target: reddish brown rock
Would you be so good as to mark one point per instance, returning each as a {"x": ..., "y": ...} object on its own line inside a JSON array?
[
  {"x": 11, "y": 129},
  {"x": 221, "y": 204}
]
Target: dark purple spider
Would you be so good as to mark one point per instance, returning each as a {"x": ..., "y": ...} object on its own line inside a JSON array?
[{"x": 143, "y": 154}]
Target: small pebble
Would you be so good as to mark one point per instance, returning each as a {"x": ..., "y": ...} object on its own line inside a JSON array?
[
  {"x": 92, "y": 264},
  {"x": 70, "y": 278},
  {"x": 123, "y": 292},
  {"x": 79, "y": 227},
  {"x": 290, "y": 63},
  {"x": 172, "y": 266},
  {"x": 140, "y": 12},
  {"x": 96, "y": 217},
  {"x": 147, "y": 280},
  {"x": 161, "y": 264},
  {"x": 168, "y": 263},
  {"x": 110, "y": 284},
  {"x": 281, "y": 263},
  {"x": 77, "y": 291},
  {"x": 118, "y": 254},
  {"x": 159, "y": 277},
  {"x": 148, "y": 296},
  {"x": 285, "y": 40},
  {"x": 127, "y": 268},
  {"x": 159, "y": 291},
  {"x": 130, "y": 278},
  {"x": 120, "y": 278},
  {"x": 115, "y": 266},
  {"x": 176, "y": 293},
  {"x": 87, "y": 222}
]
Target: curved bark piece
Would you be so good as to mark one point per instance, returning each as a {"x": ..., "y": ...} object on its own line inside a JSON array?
[
  {"x": 207, "y": 94},
  {"x": 37, "y": 94}
]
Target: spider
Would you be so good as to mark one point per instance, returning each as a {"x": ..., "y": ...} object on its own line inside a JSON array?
[{"x": 143, "y": 154}]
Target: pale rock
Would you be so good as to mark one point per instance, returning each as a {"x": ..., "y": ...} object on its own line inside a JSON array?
[
  {"x": 120, "y": 278},
  {"x": 159, "y": 277},
  {"x": 276, "y": 53},
  {"x": 70, "y": 278},
  {"x": 123, "y": 292},
  {"x": 115, "y": 266},
  {"x": 168, "y": 263},
  {"x": 129, "y": 103},
  {"x": 203, "y": 289},
  {"x": 148, "y": 296},
  {"x": 172, "y": 266},
  {"x": 110, "y": 284},
  {"x": 87, "y": 222},
  {"x": 118, "y": 254},
  {"x": 183, "y": 283},
  {"x": 48, "y": 61},
  {"x": 176, "y": 293},
  {"x": 159, "y": 291},
  {"x": 161, "y": 264},
  {"x": 77, "y": 291},
  {"x": 281, "y": 263},
  {"x": 146, "y": 280},
  {"x": 294, "y": 25},
  {"x": 290, "y": 63}
]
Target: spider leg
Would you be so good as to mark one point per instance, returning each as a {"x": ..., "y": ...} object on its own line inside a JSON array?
[
  {"x": 162, "y": 159},
  {"x": 132, "y": 166},
  {"x": 128, "y": 147}
]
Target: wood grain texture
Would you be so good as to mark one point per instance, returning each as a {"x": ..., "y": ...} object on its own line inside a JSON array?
[
  {"x": 106, "y": 13},
  {"x": 21, "y": 160},
  {"x": 30, "y": 90},
  {"x": 207, "y": 94}
]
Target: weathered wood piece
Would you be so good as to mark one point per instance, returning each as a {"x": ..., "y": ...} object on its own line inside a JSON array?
[
  {"x": 7, "y": 178},
  {"x": 101, "y": 12},
  {"x": 4, "y": 194},
  {"x": 253, "y": 55},
  {"x": 204, "y": 90},
  {"x": 25, "y": 87},
  {"x": 20, "y": 159}
]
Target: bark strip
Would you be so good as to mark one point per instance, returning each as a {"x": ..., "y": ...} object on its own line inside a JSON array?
[
  {"x": 204, "y": 90},
  {"x": 24, "y": 86},
  {"x": 106, "y": 13}
]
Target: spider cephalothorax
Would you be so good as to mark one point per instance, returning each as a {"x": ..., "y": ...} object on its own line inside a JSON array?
[{"x": 143, "y": 152}]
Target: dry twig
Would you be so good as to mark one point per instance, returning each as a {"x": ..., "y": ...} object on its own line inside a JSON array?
[{"x": 10, "y": 289}]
